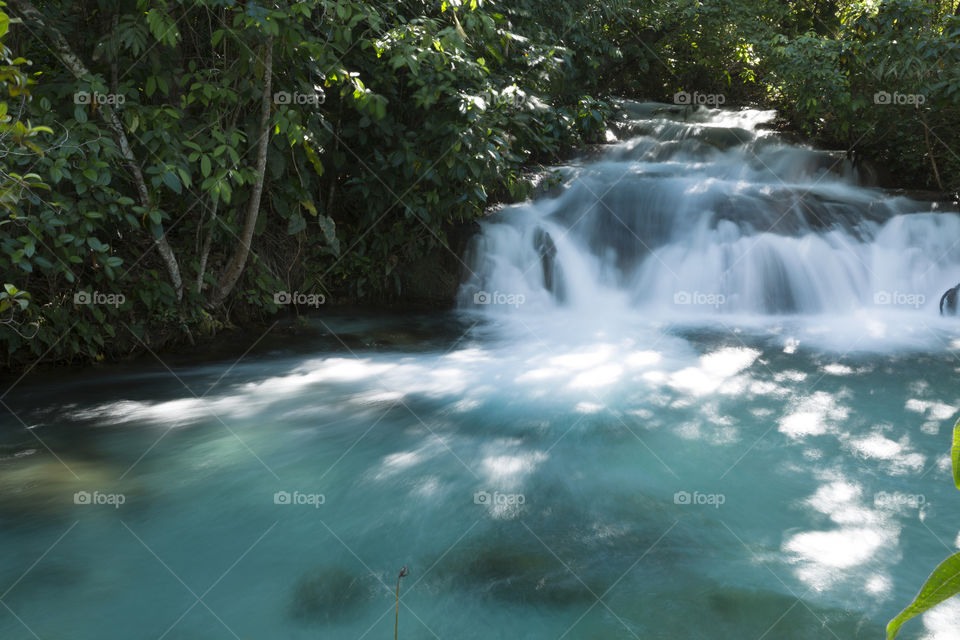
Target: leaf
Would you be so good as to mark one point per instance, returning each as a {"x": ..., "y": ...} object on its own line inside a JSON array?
[
  {"x": 329, "y": 233},
  {"x": 205, "y": 166},
  {"x": 171, "y": 180},
  {"x": 296, "y": 224},
  {"x": 955, "y": 454},
  {"x": 943, "y": 583}
]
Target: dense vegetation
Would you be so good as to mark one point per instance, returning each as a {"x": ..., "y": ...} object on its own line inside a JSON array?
[{"x": 169, "y": 167}]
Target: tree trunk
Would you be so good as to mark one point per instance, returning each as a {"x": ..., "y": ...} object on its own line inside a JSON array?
[
  {"x": 205, "y": 252},
  {"x": 926, "y": 138},
  {"x": 79, "y": 70},
  {"x": 231, "y": 273}
]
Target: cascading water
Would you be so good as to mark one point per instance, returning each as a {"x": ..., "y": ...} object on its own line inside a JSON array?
[{"x": 705, "y": 212}]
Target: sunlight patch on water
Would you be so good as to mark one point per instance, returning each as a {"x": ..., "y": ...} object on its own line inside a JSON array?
[
  {"x": 599, "y": 377},
  {"x": 838, "y": 549},
  {"x": 715, "y": 372},
  {"x": 812, "y": 416},
  {"x": 509, "y": 470},
  {"x": 838, "y": 370},
  {"x": 398, "y": 462},
  {"x": 828, "y": 557},
  {"x": 876, "y": 446},
  {"x": 943, "y": 622}
]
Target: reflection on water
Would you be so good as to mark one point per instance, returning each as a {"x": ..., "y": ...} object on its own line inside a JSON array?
[{"x": 529, "y": 490}]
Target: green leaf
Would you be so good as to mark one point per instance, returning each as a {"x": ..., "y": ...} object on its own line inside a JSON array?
[
  {"x": 296, "y": 224},
  {"x": 171, "y": 180},
  {"x": 205, "y": 166},
  {"x": 955, "y": 454},
  {"x": 943, "y": 583},
  {"x": 329, "y": 230}
]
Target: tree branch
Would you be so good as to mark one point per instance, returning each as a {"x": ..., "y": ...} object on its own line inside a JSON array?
[{"x": 231, "y": 273}]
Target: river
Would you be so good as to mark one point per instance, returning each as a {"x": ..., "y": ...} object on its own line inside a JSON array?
[{"x": 700, "y": 390}]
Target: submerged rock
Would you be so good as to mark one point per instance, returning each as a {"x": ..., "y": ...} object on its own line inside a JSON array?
[
  {"x": 326, "y": 595},
  {"x": 36, "y": 481},
  {"x": 748, "y": 613},
  {"x": 510, "y": 574}
]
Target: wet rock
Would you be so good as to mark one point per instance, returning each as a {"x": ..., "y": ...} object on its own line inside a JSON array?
[
  {"x": 948, "y": 302},
  {"x": 644, "y": 110},
  {"x": 552, "y": 274},
  {"x": 723, "y": 137}
]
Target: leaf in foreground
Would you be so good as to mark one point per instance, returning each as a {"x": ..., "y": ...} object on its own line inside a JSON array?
[
  {"x": 955, "y": 454},
  {"x": 943, "y": 583}
]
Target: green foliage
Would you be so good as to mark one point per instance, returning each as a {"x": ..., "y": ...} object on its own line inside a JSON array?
[
  {"x": 881, "y": 78},
  {"x": 944, "y": 582},
  {"x": 955, "y": 455},
  {"x": 391, "y": 122}
]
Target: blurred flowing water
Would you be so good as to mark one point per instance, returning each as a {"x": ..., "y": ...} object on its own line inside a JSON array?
[{"x": 700, "y": 391}]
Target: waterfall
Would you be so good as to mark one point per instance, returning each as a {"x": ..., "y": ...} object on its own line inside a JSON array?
[{"x": 705, "y": 212}]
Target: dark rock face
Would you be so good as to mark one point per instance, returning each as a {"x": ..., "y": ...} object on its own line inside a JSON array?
[
  {"x": 552, "y": 274},
  {"x": 432, "y": 280},
  {"x": 948, "y": 302}
]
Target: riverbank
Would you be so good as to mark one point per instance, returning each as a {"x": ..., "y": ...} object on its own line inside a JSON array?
[{"x": 430, "y": 282}]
